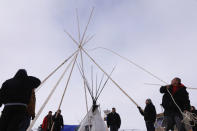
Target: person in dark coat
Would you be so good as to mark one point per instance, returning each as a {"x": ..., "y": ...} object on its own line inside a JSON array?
[
  {"x": 171, "y": 112},
  {"x": 194, "y": 111},
  {"x": 47, "y": 122},
  {"x": 58, "y": 121},
  {"x": 15, "y": 94},
  {"x": 113, "y": 120},
  {"x": 149, "y": 114}
]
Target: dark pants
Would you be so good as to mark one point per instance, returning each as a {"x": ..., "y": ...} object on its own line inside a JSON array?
[
  {"x": 150, "y": 126},
  {"x": 11, "y": 118},
  {"x": 113, "y": 128},
  {"x": 25, "y": 123},
  {"x": 57, "y": 128},
  {"x": 194, "y": 128},
  {"x": 174, "y": 119}
]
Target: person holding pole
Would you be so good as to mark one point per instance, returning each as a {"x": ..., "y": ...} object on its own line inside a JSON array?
[
  {"x": 175, "y": 101},
  {"x": 149, "y": 114}
]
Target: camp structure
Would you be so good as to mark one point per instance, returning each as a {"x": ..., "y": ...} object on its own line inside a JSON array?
[{"x": 93, "y": 120}]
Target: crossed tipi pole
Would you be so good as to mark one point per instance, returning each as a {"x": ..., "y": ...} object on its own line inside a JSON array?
[{"x": 72, "y": 59}]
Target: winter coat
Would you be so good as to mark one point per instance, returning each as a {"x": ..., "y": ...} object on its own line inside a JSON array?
[
  {"x": 18, "y": 89},
  {"x": 113, "y": 119},
  {"x": 181, "y": 97},
  {"x": 47, "y": 123},
  {"x": 149, "y": 113},
  {"x": 59, "y": 122}
]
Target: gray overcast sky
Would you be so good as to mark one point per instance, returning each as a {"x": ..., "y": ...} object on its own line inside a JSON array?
[{"x": 160, "y": 35}]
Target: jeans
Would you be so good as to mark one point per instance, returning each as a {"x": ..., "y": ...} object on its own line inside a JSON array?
[
  {"x": 150, "y": 126},
  {"x": 173, "y": 119}
]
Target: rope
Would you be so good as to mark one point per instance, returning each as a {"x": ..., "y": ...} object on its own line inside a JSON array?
[
  {"x": 133, "y": 63},
  {"x": 75, "y": 58},
  {"x": 48, "y": 98},
  {"x": 54, "y": 71},
  {"x": 190, "y": 117},
  {"x": 185, "y": 115},
  {"x": 109, "y": 76}
]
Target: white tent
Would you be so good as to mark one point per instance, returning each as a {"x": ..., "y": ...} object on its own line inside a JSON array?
[{"x": 93, "y": 121}]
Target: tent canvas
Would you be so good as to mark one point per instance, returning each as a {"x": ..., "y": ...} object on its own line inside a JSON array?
[{"x": 93, "y": 121}]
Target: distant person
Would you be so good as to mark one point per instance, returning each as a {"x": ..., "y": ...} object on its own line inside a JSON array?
[
  {"x": 113, "y": 120},
  {"x": 47, "y": 122},
  {"x": 149, "y": 114},
  {"x": 194, "y": 125},
  {"x": 30, "y": 115},
  {"x": 171, "y": 111},
  {"x": 58, "y": 121},
  {"x": 15, "y": 94}
]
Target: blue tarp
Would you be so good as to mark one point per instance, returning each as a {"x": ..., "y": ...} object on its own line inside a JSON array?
[{"x": 70, "y": 128}]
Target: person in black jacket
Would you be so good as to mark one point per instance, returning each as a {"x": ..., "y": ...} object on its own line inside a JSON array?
[
  {"x": 171, "y": 111},
  {"x": 15, "y": 94},
  {"x": 58, "y": 121},
  {"x": 149, "y": 114},
  {"x": 113, "y": 120}
]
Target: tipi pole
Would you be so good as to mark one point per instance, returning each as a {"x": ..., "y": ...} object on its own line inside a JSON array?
[
  {"x": 57, "y": 68},
  {"x": 124, "y": 92},
  {"x": 75, "y": 58},
  {"x": 48, "y": 98}
]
